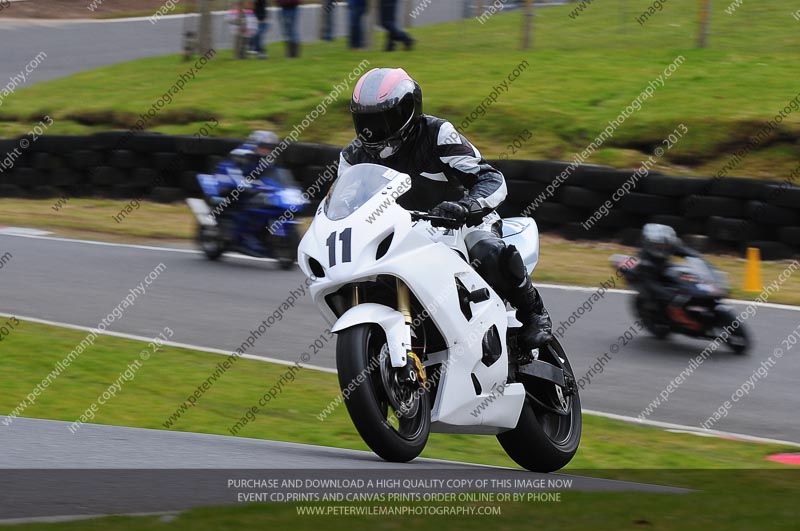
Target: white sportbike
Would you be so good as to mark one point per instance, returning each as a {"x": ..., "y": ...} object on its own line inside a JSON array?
[{"x": 424, "y": 343}]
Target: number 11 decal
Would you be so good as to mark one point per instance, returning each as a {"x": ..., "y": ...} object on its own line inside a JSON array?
[{"x": 346, "y": 239}]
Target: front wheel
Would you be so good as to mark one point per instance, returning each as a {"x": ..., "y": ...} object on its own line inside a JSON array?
[
  {"x": 548, "y": 432},
  {"x": 738, "y": 340},
  {"x": 391, "y": 412},
  {"x": 210, "y": 241}
]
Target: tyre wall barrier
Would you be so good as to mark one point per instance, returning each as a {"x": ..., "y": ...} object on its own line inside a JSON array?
[{"x": 580, "y": 203}]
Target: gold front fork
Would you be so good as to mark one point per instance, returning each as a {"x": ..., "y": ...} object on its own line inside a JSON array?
[
  {"x": 404, "y": 307},
  {"x": 404, "y": 300}
]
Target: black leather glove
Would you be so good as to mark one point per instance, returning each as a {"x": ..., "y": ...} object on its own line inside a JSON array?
[{"x": 456, "y": 213}]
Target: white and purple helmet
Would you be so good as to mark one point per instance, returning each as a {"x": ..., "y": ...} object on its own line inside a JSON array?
[{"x": 385, "y": 105}]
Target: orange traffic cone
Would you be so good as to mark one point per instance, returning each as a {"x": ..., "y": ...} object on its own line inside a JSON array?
[{"x": 752, "y": 273}]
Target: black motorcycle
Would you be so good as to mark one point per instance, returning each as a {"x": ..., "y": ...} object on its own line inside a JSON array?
[{"x": 698, "y": 310}]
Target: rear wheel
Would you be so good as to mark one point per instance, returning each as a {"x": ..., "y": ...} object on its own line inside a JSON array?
[
  {"x": 548, "y": 432},
  {"x": 390, "y": 412}
]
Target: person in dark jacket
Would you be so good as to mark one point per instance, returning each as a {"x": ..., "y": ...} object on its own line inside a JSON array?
[
  {"x": 389, "y": 23},
  {"x": 392, "y": 131},
  {"x": 357, "y": 10},
  {"x": 260, "y": 12},
  {"x": 659, "y": 244},
  {"x": 289, "y": 13},
  {"x": 328, "y": 17}
]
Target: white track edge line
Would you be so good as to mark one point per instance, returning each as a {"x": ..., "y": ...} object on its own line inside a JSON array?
[{"x": 614, "y": 416}]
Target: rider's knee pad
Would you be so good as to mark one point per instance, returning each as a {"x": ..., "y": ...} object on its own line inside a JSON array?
[
  {"x": 499, "y": 264},
  {"x": 512, "y": 266}
]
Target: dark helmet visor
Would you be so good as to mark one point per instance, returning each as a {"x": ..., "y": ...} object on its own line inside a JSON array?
[{"x": 376, "y": 127}]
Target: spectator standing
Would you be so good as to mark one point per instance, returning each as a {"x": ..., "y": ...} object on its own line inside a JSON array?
[
  {"x": 357, "y": 10},
  {"x": 328, "y": 17},
  {"x": 289, "y": 12},
  {"x": 389, "y": 23},
  {"x": 261, "y": 13}
]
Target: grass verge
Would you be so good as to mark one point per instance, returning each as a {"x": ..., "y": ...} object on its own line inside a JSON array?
[
  {"x": 582, "y": 72},
  {"x": 750, "y": 493},
  {"x": 168, "y": 377}
]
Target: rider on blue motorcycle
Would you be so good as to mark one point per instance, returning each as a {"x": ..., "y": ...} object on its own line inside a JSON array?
[{"x": 387, "y": 110}]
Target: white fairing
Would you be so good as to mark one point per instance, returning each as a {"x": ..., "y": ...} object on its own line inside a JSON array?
[{"x": 426, "y": 260}]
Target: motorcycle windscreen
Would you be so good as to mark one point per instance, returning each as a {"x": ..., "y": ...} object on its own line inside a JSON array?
[{"x": 355, "y": 187}]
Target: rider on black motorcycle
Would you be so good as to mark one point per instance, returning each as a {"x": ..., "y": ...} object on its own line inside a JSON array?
[
  {"x": 387, "y": 110},
  {"x": 659, "y": 244}
]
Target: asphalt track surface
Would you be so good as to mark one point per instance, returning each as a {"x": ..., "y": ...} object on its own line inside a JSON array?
[
  {"x": 111, "y": 470},
  {"x": 218, "y": 304}
]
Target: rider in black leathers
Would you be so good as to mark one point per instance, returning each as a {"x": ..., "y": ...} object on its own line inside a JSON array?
[
  {"x": 658, "y": 245},
  {"x": 392, "y": 131}
]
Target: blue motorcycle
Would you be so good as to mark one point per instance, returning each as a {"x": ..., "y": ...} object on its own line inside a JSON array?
[{"x": 246, "y": 213}]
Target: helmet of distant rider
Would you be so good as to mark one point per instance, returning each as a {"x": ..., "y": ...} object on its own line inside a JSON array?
[
  {"x": 659, "y": 240},
  {"x": 385, "y": 106}
]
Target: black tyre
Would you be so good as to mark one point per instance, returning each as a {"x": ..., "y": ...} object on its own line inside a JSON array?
[
  {"x": 658, "y": 330},
  {"x": 210, "y": 241},
  {"x": 548, "y": 432},
  {"x": 394, "y": 419},
  {"x": 739, "y": 339}
]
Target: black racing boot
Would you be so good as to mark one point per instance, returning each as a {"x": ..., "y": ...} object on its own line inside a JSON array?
[{"x": 537, "y": 328}]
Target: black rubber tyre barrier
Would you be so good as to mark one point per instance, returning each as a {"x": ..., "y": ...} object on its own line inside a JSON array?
[
  {"x": 575, "y": 231},
  {"x": 11, "y": 190},
  {"x": 125, "y": 159},
  {"x": 207, "y": 145},
  {"x": 557, "y": 214},
  {"x": 146, "y": 177},
  {"x": 617, "y": 219},
  {"x": 44, "y": 192},
  {"x": 730, "y": 229},
  {"x": 46, "y": 161},
  {"x": 523, "y": 192},
  {"x": 28, "y": 178},
  {"x": 575, "y": 196},
  {"x": 64, "y": 177},
  {"x": 190, "y": 184},
  {"x": 738, "y": 187},
  {"x": 514, "y": 170},
  {"x": 210, "y": 164},
  {"x": 790, "y": 236},
  {"x": 128, "y": 191},
  {"x": 84, "y": 158},
  {"x": 167, "y": 194},
  {"x": 7, "y": 146},
  {"x": 542, "y": 171},
  {"x": 607, "y": 181},
  {"x": 306, "y": 175},
  {"x": 167, "y": 161},
  {"x": 681, "y": 224},
  {"x": 770, "y": 250},
  {"x": 152, "y": 143},
  {"x": 630, "y": 236},
  {"x": 58, "y": 144},
  {"x": 697, "y": 206},
  {"x": 673, "y": 186},
  {"x": 647, "y": 204},
  {"x": 320, "y": 154},
  {"x": 107, "y": 176},
  {"x": 774, "y": 215},
  {"x": 110, "y": 140},
  {"x": 783, "y": 195}
]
